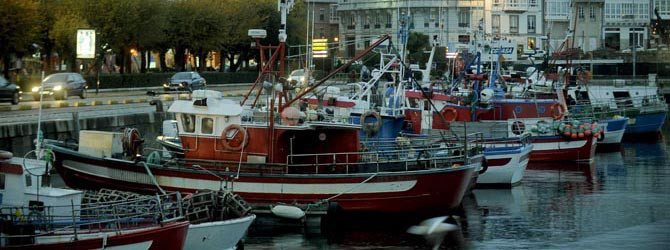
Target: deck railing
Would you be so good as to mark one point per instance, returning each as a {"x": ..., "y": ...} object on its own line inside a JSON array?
[{"x": 102, "y": 217}]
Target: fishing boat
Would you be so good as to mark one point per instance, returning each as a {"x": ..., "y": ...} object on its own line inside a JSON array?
[
  {"x": 218, "y": 219},
  {"x": 643, "y": 105},
  {"x": 56, "y": 219},
  {"x": 273, "y": 158}
]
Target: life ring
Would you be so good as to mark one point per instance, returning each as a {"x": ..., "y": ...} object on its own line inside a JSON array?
[
  {"x": 5, "y": 155},
  {"x": 449, "y": 110},
  {"x": 518, "y": 127},
  {"x": 371, "y": 128},
  {"x": 241, "y": 140},
  {"x": 557, "y": 111}
]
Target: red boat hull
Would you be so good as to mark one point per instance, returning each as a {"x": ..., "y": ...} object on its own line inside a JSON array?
[
  {"x": 170, "y": 236},
  {"x": 558, "y": 148},
  {"x": 432, "y": 189}
]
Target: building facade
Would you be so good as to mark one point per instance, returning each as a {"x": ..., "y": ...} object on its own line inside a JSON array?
[
  {"x": 517, "y": 20},
  {"x": 532, "y": 24},
  {"x": 326, "y": 20},
  {"x": 362, "y": 21}
]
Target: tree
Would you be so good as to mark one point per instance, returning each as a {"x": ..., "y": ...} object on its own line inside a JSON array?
[
  {"x": 19, "y": 20},
  {"x": 417, "y": 43},
  {"x": 63, "y": 31},
  {"x": 151, "y": 30}
]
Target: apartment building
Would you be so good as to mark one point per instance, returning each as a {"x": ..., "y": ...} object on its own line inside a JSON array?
[
  {"x": 532, "y": 24},
  {"x": 361, "y": 21}
]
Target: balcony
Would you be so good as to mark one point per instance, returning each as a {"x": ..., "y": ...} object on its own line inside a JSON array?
[{"x": 515, "y": 5}]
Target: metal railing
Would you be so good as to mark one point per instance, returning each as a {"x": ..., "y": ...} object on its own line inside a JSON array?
[
  {"x": 398, "y": 154},
  {"x": 607, "y": 108},
  {"x": 102, "y": 217}
]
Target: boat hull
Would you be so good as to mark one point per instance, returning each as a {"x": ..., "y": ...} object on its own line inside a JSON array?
[
  {"x": 646, "y": 123},
  {"x": 558, "y": 148},
  {"x": 505, "y": 168},
  {"x": 614, "y": 131},
  {"x": 430, "y": 190},
  {"x": 219, "y": 234},
  {"x": 170, "y": 236}
]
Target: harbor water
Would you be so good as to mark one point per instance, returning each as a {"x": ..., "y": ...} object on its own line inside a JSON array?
[{"x": 620, "y": 200}]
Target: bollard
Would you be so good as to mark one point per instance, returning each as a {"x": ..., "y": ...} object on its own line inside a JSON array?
[{"x": 75, "y": 122}]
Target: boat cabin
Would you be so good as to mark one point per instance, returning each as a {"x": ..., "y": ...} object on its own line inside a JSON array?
[
  {"x": 212, "y": 128},
  {"x": 20, "y": 186}
]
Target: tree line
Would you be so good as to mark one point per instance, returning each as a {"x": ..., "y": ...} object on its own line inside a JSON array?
[{"x": 199, "y": 26}]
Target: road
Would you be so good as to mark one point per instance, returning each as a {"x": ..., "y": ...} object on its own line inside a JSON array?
[{"x": 108, "y": 103}]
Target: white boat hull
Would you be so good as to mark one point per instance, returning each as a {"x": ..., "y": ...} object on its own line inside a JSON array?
[
  {"x": 508, "y": 174},
  {"x": 217, "y": 235}
]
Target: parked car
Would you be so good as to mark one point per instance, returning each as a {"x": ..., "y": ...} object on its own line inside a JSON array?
[
  {"x": 61, "y": 86},
  {"x": 188, "y": 81},
  {"x": 9, "y": 91}
]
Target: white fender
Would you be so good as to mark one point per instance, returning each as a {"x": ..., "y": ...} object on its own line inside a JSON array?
[{"x": 290, "y": 212}]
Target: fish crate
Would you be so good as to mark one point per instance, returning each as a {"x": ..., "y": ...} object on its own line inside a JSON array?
[{"x": 199, "y": 214}]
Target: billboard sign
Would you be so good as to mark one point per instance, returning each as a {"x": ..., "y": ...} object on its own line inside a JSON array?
[{"x": 86, "y": 44}]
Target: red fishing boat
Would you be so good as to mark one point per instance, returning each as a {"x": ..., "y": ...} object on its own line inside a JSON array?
[{"x": 273, "y": 157}]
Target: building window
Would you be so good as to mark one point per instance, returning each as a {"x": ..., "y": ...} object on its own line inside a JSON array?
[
  {"x": 532, "y": 3},
  {"x": 188, "y": 123},
  {"x": 495, "y": 24},
  {"x": 464, "y": 19},
  {"x": 592, "y": 13},
  {"x": 557, "y": 9},
  {"x": 352, "y": 22},
  {"x": 496, "y": 2},
  {"x": 463, "y": 38},
  {"x": 514, "y": 24},
  {"x": 334, "y": 18},
  {"x": 321, "y": 17},
  {"x": 389, "y": 20},
  {"x": 531, "y": 24},
  {"x": 531, "y": 43},
  {"x": 378, "y": 21},
  {"x": 366, "y": 25},
  {"x": 207, "y": 126}
]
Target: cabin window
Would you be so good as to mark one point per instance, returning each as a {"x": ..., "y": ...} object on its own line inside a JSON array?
[
  {"x": 188, "y": 122},
  {"x": 413, "y": 103},
  {"x": 29, "y": 181},
  {"x": 207, "y": 125},
  {"x": 426, "y": 105},
  {"x": 2, "y": 181}
]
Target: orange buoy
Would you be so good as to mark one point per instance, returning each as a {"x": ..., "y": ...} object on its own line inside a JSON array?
[
  {"x": 567, "y": 133},
  {"x": 574, "y": 136},
  {"x": 581, "y": 135},
  {"x": 587, "y": 132}
]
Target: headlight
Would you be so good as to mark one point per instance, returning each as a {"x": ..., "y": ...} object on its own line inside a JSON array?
[
  {"x": 166, "y": 85},
  {"x": 58, "y": 87},
  {"x": 35, "y": 89},
  {"x": 182, "y": 85}
]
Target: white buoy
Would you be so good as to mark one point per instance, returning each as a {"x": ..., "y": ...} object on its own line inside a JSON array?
[
  {"x": 289, "y": 212},
  {"x": 433, "y": 229}
]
